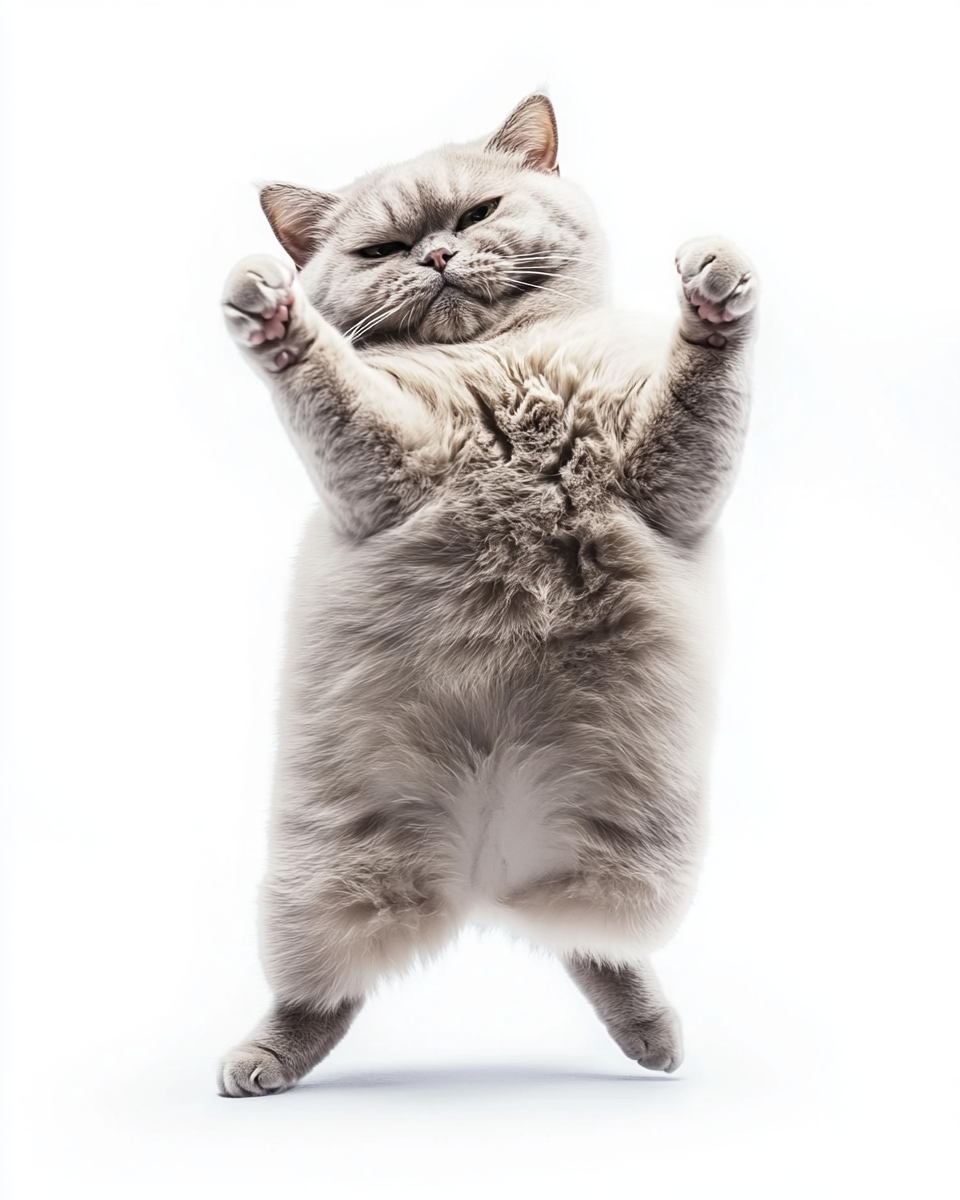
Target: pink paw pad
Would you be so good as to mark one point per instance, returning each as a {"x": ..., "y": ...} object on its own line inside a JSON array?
[
  {"x": 707, "y": 310},
  {"x": 275, "y": 326},
  {"x": 717, "y": 292}
]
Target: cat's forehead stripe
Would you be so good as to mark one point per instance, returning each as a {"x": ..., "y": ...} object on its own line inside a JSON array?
[{"x": 416, "y": 202}]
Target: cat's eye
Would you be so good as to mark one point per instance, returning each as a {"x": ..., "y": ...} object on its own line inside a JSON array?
[
  {"x": 383, "y": 250},
  {"x": 475, "y": 215}
]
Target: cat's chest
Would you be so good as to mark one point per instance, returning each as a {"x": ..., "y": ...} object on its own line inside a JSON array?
[
  {"x": 537, "y": 490},
  {"x": 553, "y": 449}
]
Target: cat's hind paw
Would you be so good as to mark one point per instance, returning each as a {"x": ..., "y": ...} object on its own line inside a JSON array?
[
  {"x": 258, "y": 302},
  {"x": 718, "y": 290},
  {"x": 253, "y": 1070},
  {"x": 655, "y": 1042}
]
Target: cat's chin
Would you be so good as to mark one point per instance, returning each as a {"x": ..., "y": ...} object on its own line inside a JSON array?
[{"x": 454, "y": 317}]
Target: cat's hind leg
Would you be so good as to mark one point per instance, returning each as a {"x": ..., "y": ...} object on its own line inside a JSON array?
[
  {"x": 288, "y": 1043},
  {"x": 324, "y": 952},
  {"x": 628, "y": 1000},
  {"x": 345, "y": 905}
]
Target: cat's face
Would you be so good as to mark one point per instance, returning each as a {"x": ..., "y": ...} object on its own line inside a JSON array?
[{"x": 459, "y": 244}]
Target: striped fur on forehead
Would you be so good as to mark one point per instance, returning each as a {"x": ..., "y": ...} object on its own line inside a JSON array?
[{"x": 429, "y": 194}]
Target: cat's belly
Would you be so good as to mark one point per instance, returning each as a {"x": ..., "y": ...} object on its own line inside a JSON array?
[
  {"x": 504, "y": 564},
  {"x": 508, "y": 812},
  {"x": 538, "y": 770},
  {"x": 589, "y": 808},
  {"x": 410, "y": 634}
]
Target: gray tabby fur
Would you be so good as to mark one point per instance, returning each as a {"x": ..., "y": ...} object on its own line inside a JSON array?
[{"x": 497, "y": 691}]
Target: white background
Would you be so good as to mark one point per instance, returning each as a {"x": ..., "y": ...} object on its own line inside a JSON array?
[{"x": 151, "y": 511}]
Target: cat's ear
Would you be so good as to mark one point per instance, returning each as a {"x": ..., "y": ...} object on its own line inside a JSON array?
[
  {"x": 530, "y": 132},
  {"x": 294, "y": 214}
]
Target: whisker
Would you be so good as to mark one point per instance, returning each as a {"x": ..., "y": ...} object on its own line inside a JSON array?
[
  {"x": 486, "y": 286},
  {"x": 409, "y": 322},
  {"x": 357, "y": 324},
  {"x": 544, "y": 275},
  {"x": 544, "y": 254},
  {"x": 543, "y": 258},
  {"x": 351, "y": 332},
  {"x": 368, "y": 323},
  {"x": 543, "y": 271},
  {"x": 537, "y": 269},
  {"x": 527, "y": 284},
  {"x": 374, "y": 319}
]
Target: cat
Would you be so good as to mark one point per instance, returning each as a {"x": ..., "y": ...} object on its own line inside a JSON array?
[{"x": 496, "y": 700}]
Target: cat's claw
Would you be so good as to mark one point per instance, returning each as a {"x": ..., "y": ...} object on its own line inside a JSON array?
[
  {"x": 252, "y": 1071},
  {"x": 718, "y": 290},
  {"x": 258, "y": 302}
]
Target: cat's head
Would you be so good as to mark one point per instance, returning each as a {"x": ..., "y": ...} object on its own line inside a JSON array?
[{"x": 462, "y": 243}]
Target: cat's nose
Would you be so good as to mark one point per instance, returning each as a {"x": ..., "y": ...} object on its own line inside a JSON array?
[{"x": 438, "y": 259}]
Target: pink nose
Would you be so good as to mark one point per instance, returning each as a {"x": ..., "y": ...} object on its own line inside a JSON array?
[{"x": 438, "y": 259}]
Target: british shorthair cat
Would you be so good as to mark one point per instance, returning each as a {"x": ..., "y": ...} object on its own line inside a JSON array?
[{"x": 496, "y": 701}]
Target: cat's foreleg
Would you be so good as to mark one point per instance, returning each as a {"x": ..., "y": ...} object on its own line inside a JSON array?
[
  {"x": 358, "y": 433},
  {"x": 288, "y": 1043},
  {"x": 687, "y": 448},
  {"x": 629, "y": 1002}
]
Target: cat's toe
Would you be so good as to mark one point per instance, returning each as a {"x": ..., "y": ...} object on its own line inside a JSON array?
[
  {"x": 659, "y": 1058},
  {"x": 257, "y": 299},
  {"x": 718, "y": 289},
  {"x": 252, "y": 1071},
  {"x": 655, "y": 1043}
]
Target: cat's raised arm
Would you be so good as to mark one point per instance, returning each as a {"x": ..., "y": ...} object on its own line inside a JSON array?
[
  {"x": 685, "y": 452},
  {"x": 357, "y": 432}
]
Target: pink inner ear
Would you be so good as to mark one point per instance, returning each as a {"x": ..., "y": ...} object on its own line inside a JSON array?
[
  {"x": 295, "y": 214},
  {"x": 531, "y": 132}
]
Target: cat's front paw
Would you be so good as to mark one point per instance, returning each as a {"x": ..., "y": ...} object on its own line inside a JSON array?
[
  {"x": 252, "y": 1070},
  {"x": 258, "y": 303},
  {"x": 718, "y": 291}
]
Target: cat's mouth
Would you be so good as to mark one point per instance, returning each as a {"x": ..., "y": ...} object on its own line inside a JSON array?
[
  {"x": 460, "y": 289},
  {"x": 446, "y": 297},
  {"x": 452, "y": 314},
  {"x": 446, "y": 292}
]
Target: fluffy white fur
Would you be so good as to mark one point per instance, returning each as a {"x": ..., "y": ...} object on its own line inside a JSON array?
[{"x": 496, "y": 699}]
